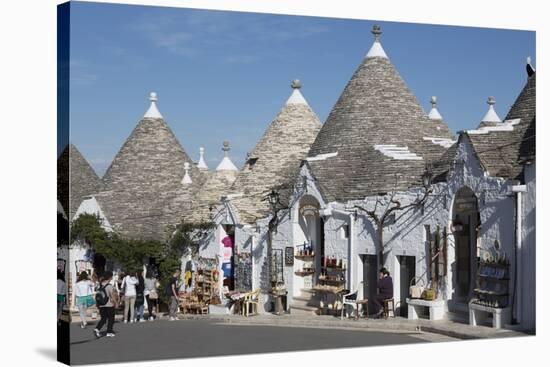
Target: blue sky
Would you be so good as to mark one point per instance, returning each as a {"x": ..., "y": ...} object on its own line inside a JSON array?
[{"x": 225, "y": 75}]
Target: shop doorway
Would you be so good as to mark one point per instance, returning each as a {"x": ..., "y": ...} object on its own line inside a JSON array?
[
  {"x": 309, "y": 240},
  {"x": 466, "y": 221},
  {"x": 228, "y": 262},
  {"x": 370, "y": 277},
  {"x": 407, "y": 271}
]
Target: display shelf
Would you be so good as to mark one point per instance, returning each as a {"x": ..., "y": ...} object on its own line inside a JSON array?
[
  {"x": 493, "y": 278},
  {"x": 304, "y": 257},
  {"x": 336, "y": 281},
  {"x": 492, "y": 285},
  {"x": 334, "y": 268},
  {"x": 304, "y": 273},
  {"x": 491, "y": 293}
]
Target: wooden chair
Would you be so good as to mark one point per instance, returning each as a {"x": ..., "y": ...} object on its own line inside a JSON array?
[
  {"x": 387, "y": 303},
  {"x": 251, "y": 302}
]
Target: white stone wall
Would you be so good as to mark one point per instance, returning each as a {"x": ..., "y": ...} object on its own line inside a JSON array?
[
  {"x": 495, "y": 200},
  {"x": 528, "y": 252},
  {"x": 407, "y": 235},
  {"x": 76, "y": 252}
]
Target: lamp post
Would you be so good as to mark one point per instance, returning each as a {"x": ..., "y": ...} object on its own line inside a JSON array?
[
  {"x": 427, "y": 177},
  {"x": 274, "y": 201}
]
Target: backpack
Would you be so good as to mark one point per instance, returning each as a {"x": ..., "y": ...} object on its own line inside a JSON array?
[{"x": 101, "y": 297}]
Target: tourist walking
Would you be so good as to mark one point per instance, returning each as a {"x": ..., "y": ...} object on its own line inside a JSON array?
[
  {"x": 61, "y": 292},
  {"x": 129, "y": 289},
  {"x": 385, "y": 290},
  {"x": 172, "y": 292},
  {"x": 140, "y": 297},
  {"x": 106, "y": 300},
  {"x": 151, "y": 294},
  {"x": 84, "y": 292}
]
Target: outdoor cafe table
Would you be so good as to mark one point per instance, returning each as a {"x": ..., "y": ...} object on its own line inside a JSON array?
[{"x": 338, "y": 292}]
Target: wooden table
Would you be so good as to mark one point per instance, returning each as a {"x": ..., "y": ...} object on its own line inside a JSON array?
[{"x": 338, "y": 292}]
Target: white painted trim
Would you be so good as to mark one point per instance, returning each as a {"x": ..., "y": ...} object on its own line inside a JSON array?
[
  {"x": 435, "y": 115},
  {"x": 507, "y": 125},
  {"x": 491, "y": 115},
  {"x": 376, "y": 50},
  {"x": 444, "y": 142},
  {"x": 90, "y": 206},
  {"x": 296, "y": 98},
  {"x": 398, "y": 153},
  {"x": 226, "y": 165},
  {"x": 321, "y": 157}
]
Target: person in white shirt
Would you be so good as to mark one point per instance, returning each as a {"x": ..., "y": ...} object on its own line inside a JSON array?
[
  {"x": 61, "y": 292},
  {"x": 84, "y": 292},
  {"x": 129, "y": 285}
]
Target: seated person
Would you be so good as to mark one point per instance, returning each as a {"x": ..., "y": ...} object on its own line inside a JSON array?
[{"x": 385, "y": 290}]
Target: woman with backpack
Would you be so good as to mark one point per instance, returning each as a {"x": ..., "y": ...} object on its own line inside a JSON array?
[
  {"x": 140, "y": 297},
  {"x": 151, "y": 294},
  {"x": 84, "y": 290},
  {"x": 129, "y": 286},
  {"x": 107, "y": 300}
]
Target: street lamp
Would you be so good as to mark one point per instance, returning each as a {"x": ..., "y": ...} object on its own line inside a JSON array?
[
  {"x": 273, "y": 198},
  {"x": 427, "y": 177},
  {"x": 427, "y": 183}
]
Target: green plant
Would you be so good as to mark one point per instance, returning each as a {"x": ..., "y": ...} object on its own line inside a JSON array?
[{"x": 131, "y": 254}]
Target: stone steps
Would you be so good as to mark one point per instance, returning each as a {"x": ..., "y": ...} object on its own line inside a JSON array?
[{"x": 304, "y": 304}]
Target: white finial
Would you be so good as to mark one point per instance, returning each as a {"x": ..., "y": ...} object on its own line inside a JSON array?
[
  {"x": 376, "y": 49},
  {"x": 491, "y": 115},
  {"x": 153, "y": 111},
  {"x": 186, "y": 178},
  {"x": 226, "y": 164},
  {"x": 434, "y": 113},
  {"x": 296, "y": 97},
  {"x": 202, "y": 164}
]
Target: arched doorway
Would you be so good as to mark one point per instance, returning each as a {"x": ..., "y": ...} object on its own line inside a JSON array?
[
  {"x": 466, "y": 222},
  {"x": 309, "y": 238}
]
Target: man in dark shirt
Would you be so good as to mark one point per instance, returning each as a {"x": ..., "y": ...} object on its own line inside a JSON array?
[
  {"x": 172, "y": 292},
  {"x": 385, "y": 290}
]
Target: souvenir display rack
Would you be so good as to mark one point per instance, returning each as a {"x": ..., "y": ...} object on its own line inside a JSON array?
[
  {"x": 203, "y": 294},
  {"x": 333, "y": 272},
  {"x": 306, "y": 254},
  {"x": 493, "y": 283},
  {"x": 331, "y": 284}
]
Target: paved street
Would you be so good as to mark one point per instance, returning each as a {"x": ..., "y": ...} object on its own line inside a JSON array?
[{"x": 203, "y": 338}]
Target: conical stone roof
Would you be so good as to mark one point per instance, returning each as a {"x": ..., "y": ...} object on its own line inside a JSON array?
[
  {"x": 377, "y": 136},
  {"x": 76, "y": 179},
  {"x": 504, "y": 148},
  {"x": 275, "y": 161},
  {"x": 145, "y": 178}
]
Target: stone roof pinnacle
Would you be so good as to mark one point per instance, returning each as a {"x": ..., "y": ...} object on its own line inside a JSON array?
[
  {"x": 186, "y": 178},
  {"x": 153, "y": 111},
  {"x": 434, "y": 113},
  {"x": 202, "y": 164},
  {"x": 296, "y": 97},
  {"x": 376, "y": 49},
  {"x": 491, "y": 115},
  {"x": 226, "y": 164}
]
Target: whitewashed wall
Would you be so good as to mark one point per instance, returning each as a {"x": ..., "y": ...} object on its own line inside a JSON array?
[{"x": 528, "y": 315}]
